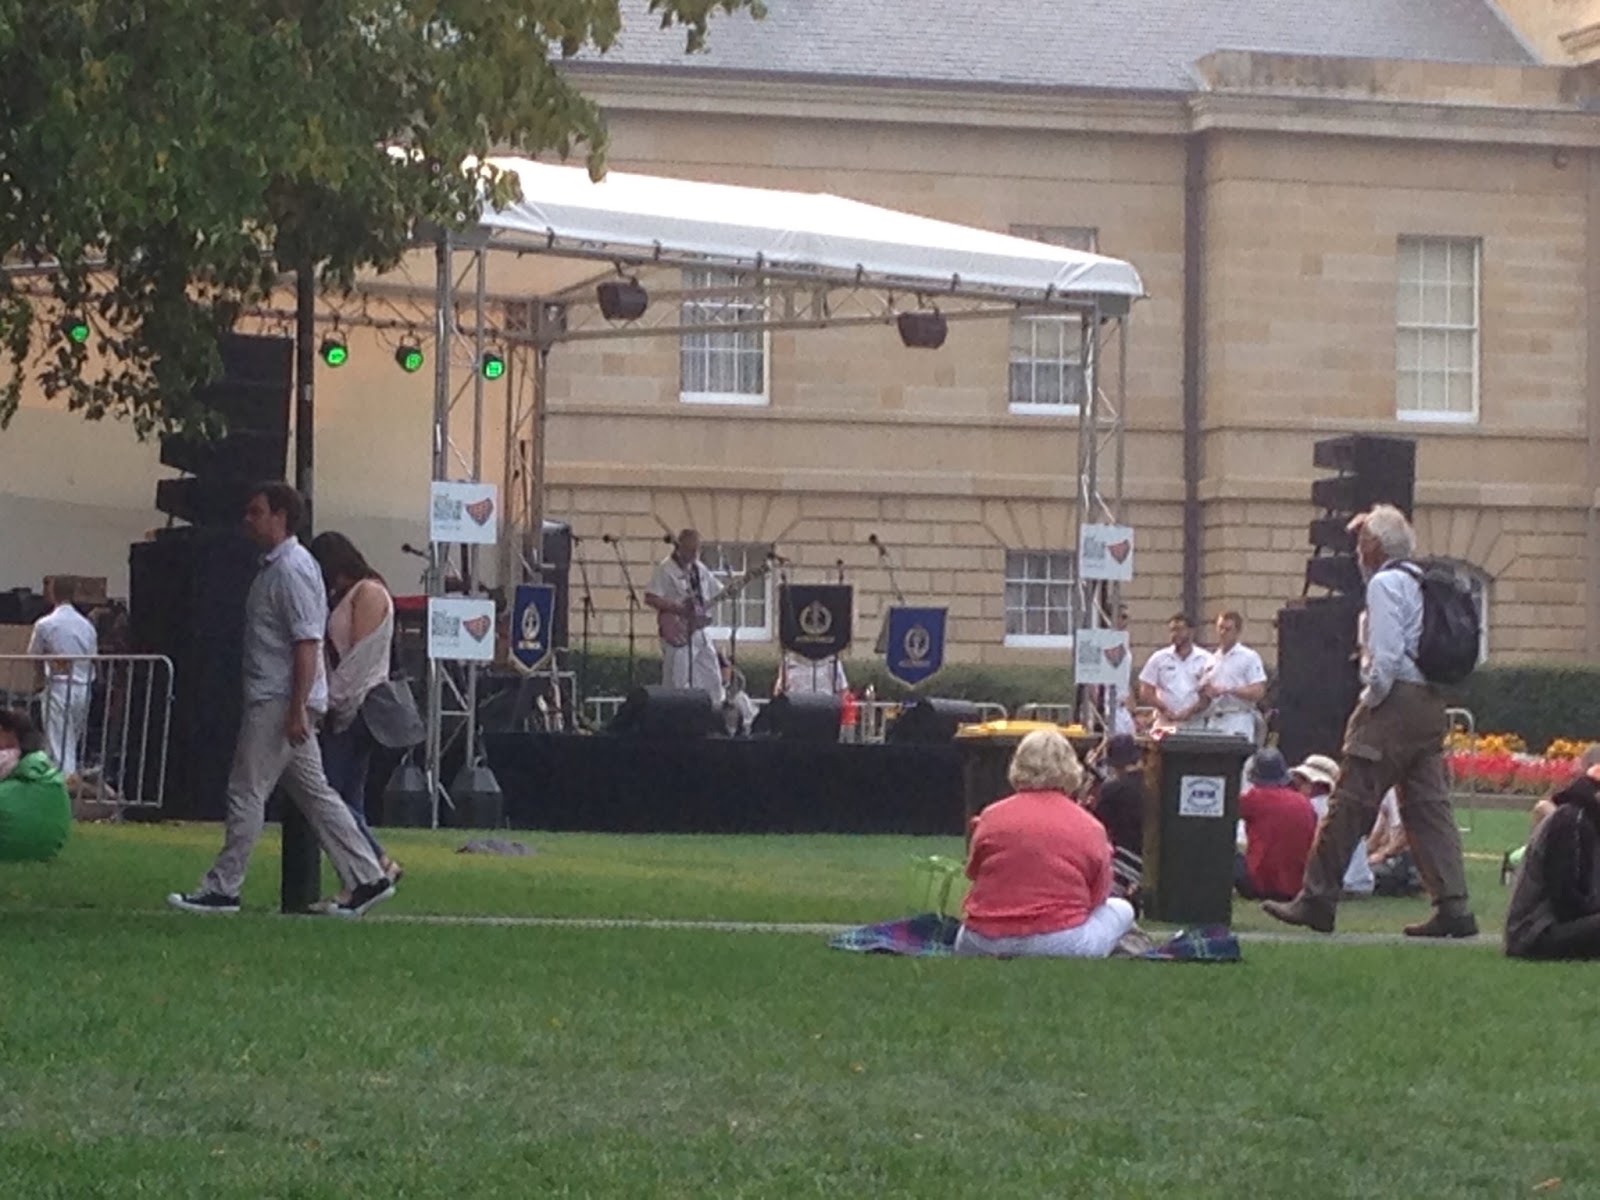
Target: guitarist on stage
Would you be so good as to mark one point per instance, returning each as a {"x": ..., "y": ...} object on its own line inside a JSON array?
[{"x": 682, "y": 591}]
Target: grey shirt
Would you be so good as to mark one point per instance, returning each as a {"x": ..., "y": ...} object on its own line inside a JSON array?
[
  {"x": 287, "y": 603},
  {"x": 1391, "y": 629}
]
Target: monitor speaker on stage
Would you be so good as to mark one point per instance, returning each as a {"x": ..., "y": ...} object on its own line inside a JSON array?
[
  {"x": 665, "y": 713},
  {"x": 802, "y": 717},
  {"x": 926, "y": 720}
]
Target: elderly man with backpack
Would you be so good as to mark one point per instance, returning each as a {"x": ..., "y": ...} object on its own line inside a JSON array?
[{"x": 1419, "y": 630}]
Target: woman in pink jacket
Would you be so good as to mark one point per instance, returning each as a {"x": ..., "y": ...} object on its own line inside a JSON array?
[{"x": 1041, "y": 866}]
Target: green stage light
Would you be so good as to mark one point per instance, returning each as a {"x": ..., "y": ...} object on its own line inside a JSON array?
[
  {"x": 76, "y": 329},
  {"x": 334, "y": 352},
  {"x": 409, "y": 358},
  {"x": 492, "y": 366}
]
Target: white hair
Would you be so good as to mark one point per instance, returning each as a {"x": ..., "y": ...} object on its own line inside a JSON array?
[
  {"x": 1387, "y": 525},
  {"x": 1045, "y": 761}
]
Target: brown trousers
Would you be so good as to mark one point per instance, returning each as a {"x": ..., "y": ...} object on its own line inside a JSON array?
[{"x": 1398, "y": 745}]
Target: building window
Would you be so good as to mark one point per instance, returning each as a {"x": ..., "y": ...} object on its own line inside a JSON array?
[
  {"x": 1436, "y": 339},
  {"x": 1047, "y": 367},
  {"x": 749, "y": 612},
  {"x": 1039, "y": 604},
  {"x": 721, "y": 366}
]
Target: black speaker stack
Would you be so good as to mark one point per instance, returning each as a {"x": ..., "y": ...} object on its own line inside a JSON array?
[
  {"x": 1318, "y": 670},
  {"x": 187, "y": 585},
  {"x": 666, "y": 714}
]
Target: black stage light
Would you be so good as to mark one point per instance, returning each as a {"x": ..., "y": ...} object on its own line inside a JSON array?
[
  {"x": 622, "y": 299},
  {"x": 922, "y": 330}
]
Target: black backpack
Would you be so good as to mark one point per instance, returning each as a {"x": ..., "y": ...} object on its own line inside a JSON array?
[{"x": 1447, "y": 652}]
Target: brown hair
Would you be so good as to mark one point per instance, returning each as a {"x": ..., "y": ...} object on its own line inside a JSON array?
[{"x": 281, "y": 498}]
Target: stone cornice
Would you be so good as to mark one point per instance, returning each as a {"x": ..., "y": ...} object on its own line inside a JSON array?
[
  {"x": 1344, "y": 117},
  {"x": 630, "y": 90},
  {"x": 687, "y": 91}
]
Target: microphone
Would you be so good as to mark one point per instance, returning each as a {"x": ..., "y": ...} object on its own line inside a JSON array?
[
  {"x": 669, "y": 539},
  {"x": 408, "y": 548},
  {"x": 883, "y": 551},
  {"x": 607, "y": 539}
]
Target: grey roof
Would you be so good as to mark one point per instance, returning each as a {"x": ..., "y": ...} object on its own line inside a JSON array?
[{"x": 1139, "y": 45}]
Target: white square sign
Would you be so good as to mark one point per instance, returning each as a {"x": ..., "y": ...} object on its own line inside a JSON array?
[
  {"x": 460, "y": 629},
  {"x": 464, "y": 513},
  {"x": 1102, "y": 658},
  {"x": 1202, "y": 796},
  {"x": 1106, "y": 552}
]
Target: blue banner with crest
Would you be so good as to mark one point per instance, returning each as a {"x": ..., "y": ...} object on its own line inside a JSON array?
[
  {"x": 532, "y": 625},
  {"x": 915, "y": 647}
]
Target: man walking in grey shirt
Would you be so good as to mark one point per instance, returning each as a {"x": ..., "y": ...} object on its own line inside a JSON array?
[
  {"x": 285, "y": 694},
  {"x": 1395, "y": 739}
]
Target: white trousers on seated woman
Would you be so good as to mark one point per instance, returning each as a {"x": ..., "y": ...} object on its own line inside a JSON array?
[{"x": 1095, "y": 938}]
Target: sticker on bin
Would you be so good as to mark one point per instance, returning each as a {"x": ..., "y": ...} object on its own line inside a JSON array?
[{"x": 1202, "y": 796}]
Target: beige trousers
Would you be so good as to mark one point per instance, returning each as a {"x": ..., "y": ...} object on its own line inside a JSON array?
[
  {"x": 262, "y": 758},
  {"x": 1399, "y": 744}
]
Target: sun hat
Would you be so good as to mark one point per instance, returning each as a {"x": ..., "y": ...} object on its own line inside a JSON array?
[{"x": 1318, "y": 768}]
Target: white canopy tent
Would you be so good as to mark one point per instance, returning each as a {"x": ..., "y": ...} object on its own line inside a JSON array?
[
  {"x": 802, "y": 235},
  {"x": 790, "y": 260}
]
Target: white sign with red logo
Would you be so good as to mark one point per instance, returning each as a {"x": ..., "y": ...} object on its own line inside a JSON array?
[
  {"x": 464, "y": 513},
  {"x": 1106, "y": 552},
  {"x": 460, "y": 630},
  {"x": 1102, "y": 658}
]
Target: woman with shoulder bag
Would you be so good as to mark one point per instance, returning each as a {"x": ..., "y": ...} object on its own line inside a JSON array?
[{"x": 360, "y": 636}]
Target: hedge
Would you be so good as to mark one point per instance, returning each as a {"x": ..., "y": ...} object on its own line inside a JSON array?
[{"x": 1538, "y": 701}]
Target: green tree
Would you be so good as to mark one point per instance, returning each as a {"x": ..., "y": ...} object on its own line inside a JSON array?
[{"x": 164, "y": 162}]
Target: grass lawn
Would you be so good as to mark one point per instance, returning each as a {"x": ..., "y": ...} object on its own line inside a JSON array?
[{"x": 145, "y": 1053}]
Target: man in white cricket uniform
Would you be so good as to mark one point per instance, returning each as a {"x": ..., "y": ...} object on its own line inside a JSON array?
[
  {"x": 682, "y": 590},
  {"x": 1234, "y": 683},
  {"x": 69, "y": 640},
  {"x": 1171, "y": 680},
  {"x": 801, "y": 676}
]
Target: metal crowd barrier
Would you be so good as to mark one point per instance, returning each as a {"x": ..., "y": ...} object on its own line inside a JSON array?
[
  {"x": 1461, "y": 720},
  {"x": 109, "y": 733}
]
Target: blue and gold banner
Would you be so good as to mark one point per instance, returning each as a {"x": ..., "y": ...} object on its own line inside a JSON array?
[
  {"x": 915, "y": 648},
  {"x": 533, "y": 625}
]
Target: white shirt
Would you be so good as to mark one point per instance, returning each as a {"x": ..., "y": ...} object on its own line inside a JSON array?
[
  {"x": 66, "y": 633},
  {"x": 1176, "y": 679},
  {"x": 1390, "y": 631},
  {"x": 803, "y": 676},
  {"x": 1235, "y": 668},
  {"x": 672, "y": 583}
]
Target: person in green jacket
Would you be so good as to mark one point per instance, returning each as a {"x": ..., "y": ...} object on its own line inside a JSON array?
[{"x": 35, "y": 811}]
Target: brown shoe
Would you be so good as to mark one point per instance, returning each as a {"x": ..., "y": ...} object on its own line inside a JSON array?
[
  {"x": 1298, "y": 912},
  {"x": 1464, "y": 925}
]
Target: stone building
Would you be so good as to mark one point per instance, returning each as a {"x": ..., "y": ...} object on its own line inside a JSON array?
[{"x": 1378, "y": 216}]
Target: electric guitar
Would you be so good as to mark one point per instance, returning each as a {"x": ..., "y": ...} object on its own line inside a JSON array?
[{"x": 676, "y": 628}]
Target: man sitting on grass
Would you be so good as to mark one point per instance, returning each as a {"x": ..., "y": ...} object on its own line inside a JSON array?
[
  {"x": 1555, "y": 906},
  {"x": 35, "y": 811},
  {"x": 1279, "y": 827}
]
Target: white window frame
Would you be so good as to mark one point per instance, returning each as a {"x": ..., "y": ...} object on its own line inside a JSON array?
[
  {"x": 1421, "y": 327},
  {"x": 693, "y": 312},
  {"x": 1073, "y": 237},
  {"x": 1041, "y": 641},
  {"x": 716, "y": 556}
]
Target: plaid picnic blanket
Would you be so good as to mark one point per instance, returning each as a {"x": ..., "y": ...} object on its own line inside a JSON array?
[
  {"x": 933, "y": 935},
  {"x": 1210, "y": 943},
  {"x": 925, "y": 935}
]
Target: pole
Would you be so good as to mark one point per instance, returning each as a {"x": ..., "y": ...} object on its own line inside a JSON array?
[{"x": 301, "y": 878}]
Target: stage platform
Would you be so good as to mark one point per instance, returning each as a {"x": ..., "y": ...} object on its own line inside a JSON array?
[{"x": 624, "y": 784}]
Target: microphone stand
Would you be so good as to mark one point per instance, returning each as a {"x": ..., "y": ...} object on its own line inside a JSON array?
[
  {"x": 633, "y": 601},
  {"x": 888, "y": 565},
  {"x": 586, "y": 610}
]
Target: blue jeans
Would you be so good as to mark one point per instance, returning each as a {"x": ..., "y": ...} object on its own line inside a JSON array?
[{"x": 346, "y": 759}]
